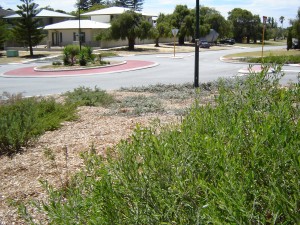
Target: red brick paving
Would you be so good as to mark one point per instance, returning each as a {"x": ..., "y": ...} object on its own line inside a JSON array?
[{"x": 30, "y": 72}]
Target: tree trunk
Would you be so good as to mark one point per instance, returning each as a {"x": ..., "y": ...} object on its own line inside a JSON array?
[
  {"x": 131, "y": 42},
  {"x": 181, "y": 40},
  {"x": 157, "y": 42},
  {"x": 30, "y": 46}
]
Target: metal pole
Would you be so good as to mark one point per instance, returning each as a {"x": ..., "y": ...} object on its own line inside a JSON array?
[
  {"x": 263, "y": 39},
  {"x": 197, "y": 37},
  {"x": 174, "y": 44},
  {"x": 79, "y": 35}
]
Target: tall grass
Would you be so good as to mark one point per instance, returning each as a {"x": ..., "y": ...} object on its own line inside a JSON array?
[{"x": 237, "y": 162}]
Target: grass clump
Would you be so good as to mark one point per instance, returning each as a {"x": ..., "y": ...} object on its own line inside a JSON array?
[
  {"x": 24, "y": 119},
  {"x": 236, "y": 162},
  {"x": 84, "y": 96}
]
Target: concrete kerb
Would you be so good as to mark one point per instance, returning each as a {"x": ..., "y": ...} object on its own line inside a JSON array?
[{"x": 37, "y": 69}]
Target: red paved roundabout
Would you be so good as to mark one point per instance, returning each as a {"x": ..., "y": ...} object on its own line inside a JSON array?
[{"x": 128, "y": 66}]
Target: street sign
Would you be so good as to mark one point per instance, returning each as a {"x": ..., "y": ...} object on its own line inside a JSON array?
[
  {"x": 174, "y": 32},
  {"x": 265, "y": 19}
]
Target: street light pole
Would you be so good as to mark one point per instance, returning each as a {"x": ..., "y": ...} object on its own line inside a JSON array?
[
  {"x": 79, "y": 35},
  {"x": 197, "y": 37}
]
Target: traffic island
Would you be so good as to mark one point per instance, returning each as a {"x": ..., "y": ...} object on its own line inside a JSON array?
[{"x": 29, "y": 72}]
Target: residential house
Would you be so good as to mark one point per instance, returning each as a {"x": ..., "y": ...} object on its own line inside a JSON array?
[
  {"x": 4, "y": 12},
  {"x": 67, "y": 31},
  {"x": 47, "y": 17}
]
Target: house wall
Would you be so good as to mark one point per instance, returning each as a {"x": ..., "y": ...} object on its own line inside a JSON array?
[
  {"x": 51, "y": 20},
  {"x": 67, "y": 37},
  {"x": 119, "y": 43},
  {"x": 101, "y": 18}
]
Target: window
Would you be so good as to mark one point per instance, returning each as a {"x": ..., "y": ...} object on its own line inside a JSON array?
[
  {"x": 74, "y": 36},
  {"x": 60, "y": 37}
]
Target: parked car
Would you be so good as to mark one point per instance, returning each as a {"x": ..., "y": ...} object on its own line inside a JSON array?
[
  {"x": 295, "y": 43},
  {"x": 228, "y": 41},
  {"x": 204, "y": 44}
]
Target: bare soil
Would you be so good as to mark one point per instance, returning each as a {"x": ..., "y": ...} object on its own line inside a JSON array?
[{"x": 21, "y": 175}]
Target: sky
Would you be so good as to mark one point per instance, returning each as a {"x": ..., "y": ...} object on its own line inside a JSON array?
[{"x": 269, "y": 8}]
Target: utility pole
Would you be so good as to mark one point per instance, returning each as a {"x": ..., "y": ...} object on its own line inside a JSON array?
[
  {"x": 197, "y": 37},
  {"x": 79, "y": 35}
]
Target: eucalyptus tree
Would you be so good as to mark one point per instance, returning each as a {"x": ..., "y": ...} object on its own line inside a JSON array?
[
  {"x": 129, "y": 25},
  {"x": 296, "y": 27},
  {"x": 162, "y": 28},
  {"x": 180, "y": 16},
  {"x": 27, "y": 29},
  {"x": 245, "y": 24}
]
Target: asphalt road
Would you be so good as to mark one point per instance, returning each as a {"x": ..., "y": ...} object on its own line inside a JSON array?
[{"x": 170, "y": 70}]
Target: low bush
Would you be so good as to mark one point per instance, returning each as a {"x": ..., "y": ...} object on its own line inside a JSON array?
[
  {"x": 142, "y": 104},
  {"x": 22, "y": 120},
  {"x": 293, "y": 59},
  {"x": 56, "y": 63},
  {"x": 84, "y": 96},
  {"x": 236, "y": 162},
  {"x": 69, "y": 54}
]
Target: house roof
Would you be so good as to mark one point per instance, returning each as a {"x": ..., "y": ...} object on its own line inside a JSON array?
[
  {"x": 48, "y": 13},
  {"x": 107, "y": 11},
  {"x": 44, "y": 13},
  {"x": 4, "y": 12},
  {"x": 74, "y": 24},
  {"x": 113, "y": 11}
]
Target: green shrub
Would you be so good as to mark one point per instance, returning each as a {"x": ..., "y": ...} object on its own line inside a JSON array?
[
  {"x": 69, "y": 53},
  {"x": 82, "y": 59},
  {"x": 22, "y": 120},
  {"x": 56, "y": 63},
  {"x": 276, "y": 59},
  {"x": 233, "y": 163},
  {"x": 88, "y": 97}
]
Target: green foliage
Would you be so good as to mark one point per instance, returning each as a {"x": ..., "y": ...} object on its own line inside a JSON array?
[
  {"x": 27, "y": 28},
  {"x": 136, "y": 5},
  {"x": 22, "y": 120},
  {"x": 84, "y": 96},
  {"x": 292, "y": 59},
  {"x": 289, "y": 41},
  {"x": 129, "y": 25},
  {"x": 69, "y": 54},
  {"x": 82, "y": 59},
  {"x": 236, "y": 162},
  {"x": 3, "y": 32},
  {"x": 296, "y": 26},
  {"x": 245, "y": 24},
  {"x": 72, "y": 52},
  {"x": 56, "y": 63}
]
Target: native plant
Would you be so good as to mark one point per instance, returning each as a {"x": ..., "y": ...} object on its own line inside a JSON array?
[
  {"x": 24, "y": 119},
  {"x": 235, "y": 162}
]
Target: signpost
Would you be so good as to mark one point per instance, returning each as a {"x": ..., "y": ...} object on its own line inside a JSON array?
[
  {"x": 263, "y": 37},
  {"x": 174, "y": 32},
  {"x": 197, "y": 37}
]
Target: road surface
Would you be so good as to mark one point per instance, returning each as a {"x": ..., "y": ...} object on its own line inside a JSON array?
[{"x": 169, "y": 70}]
